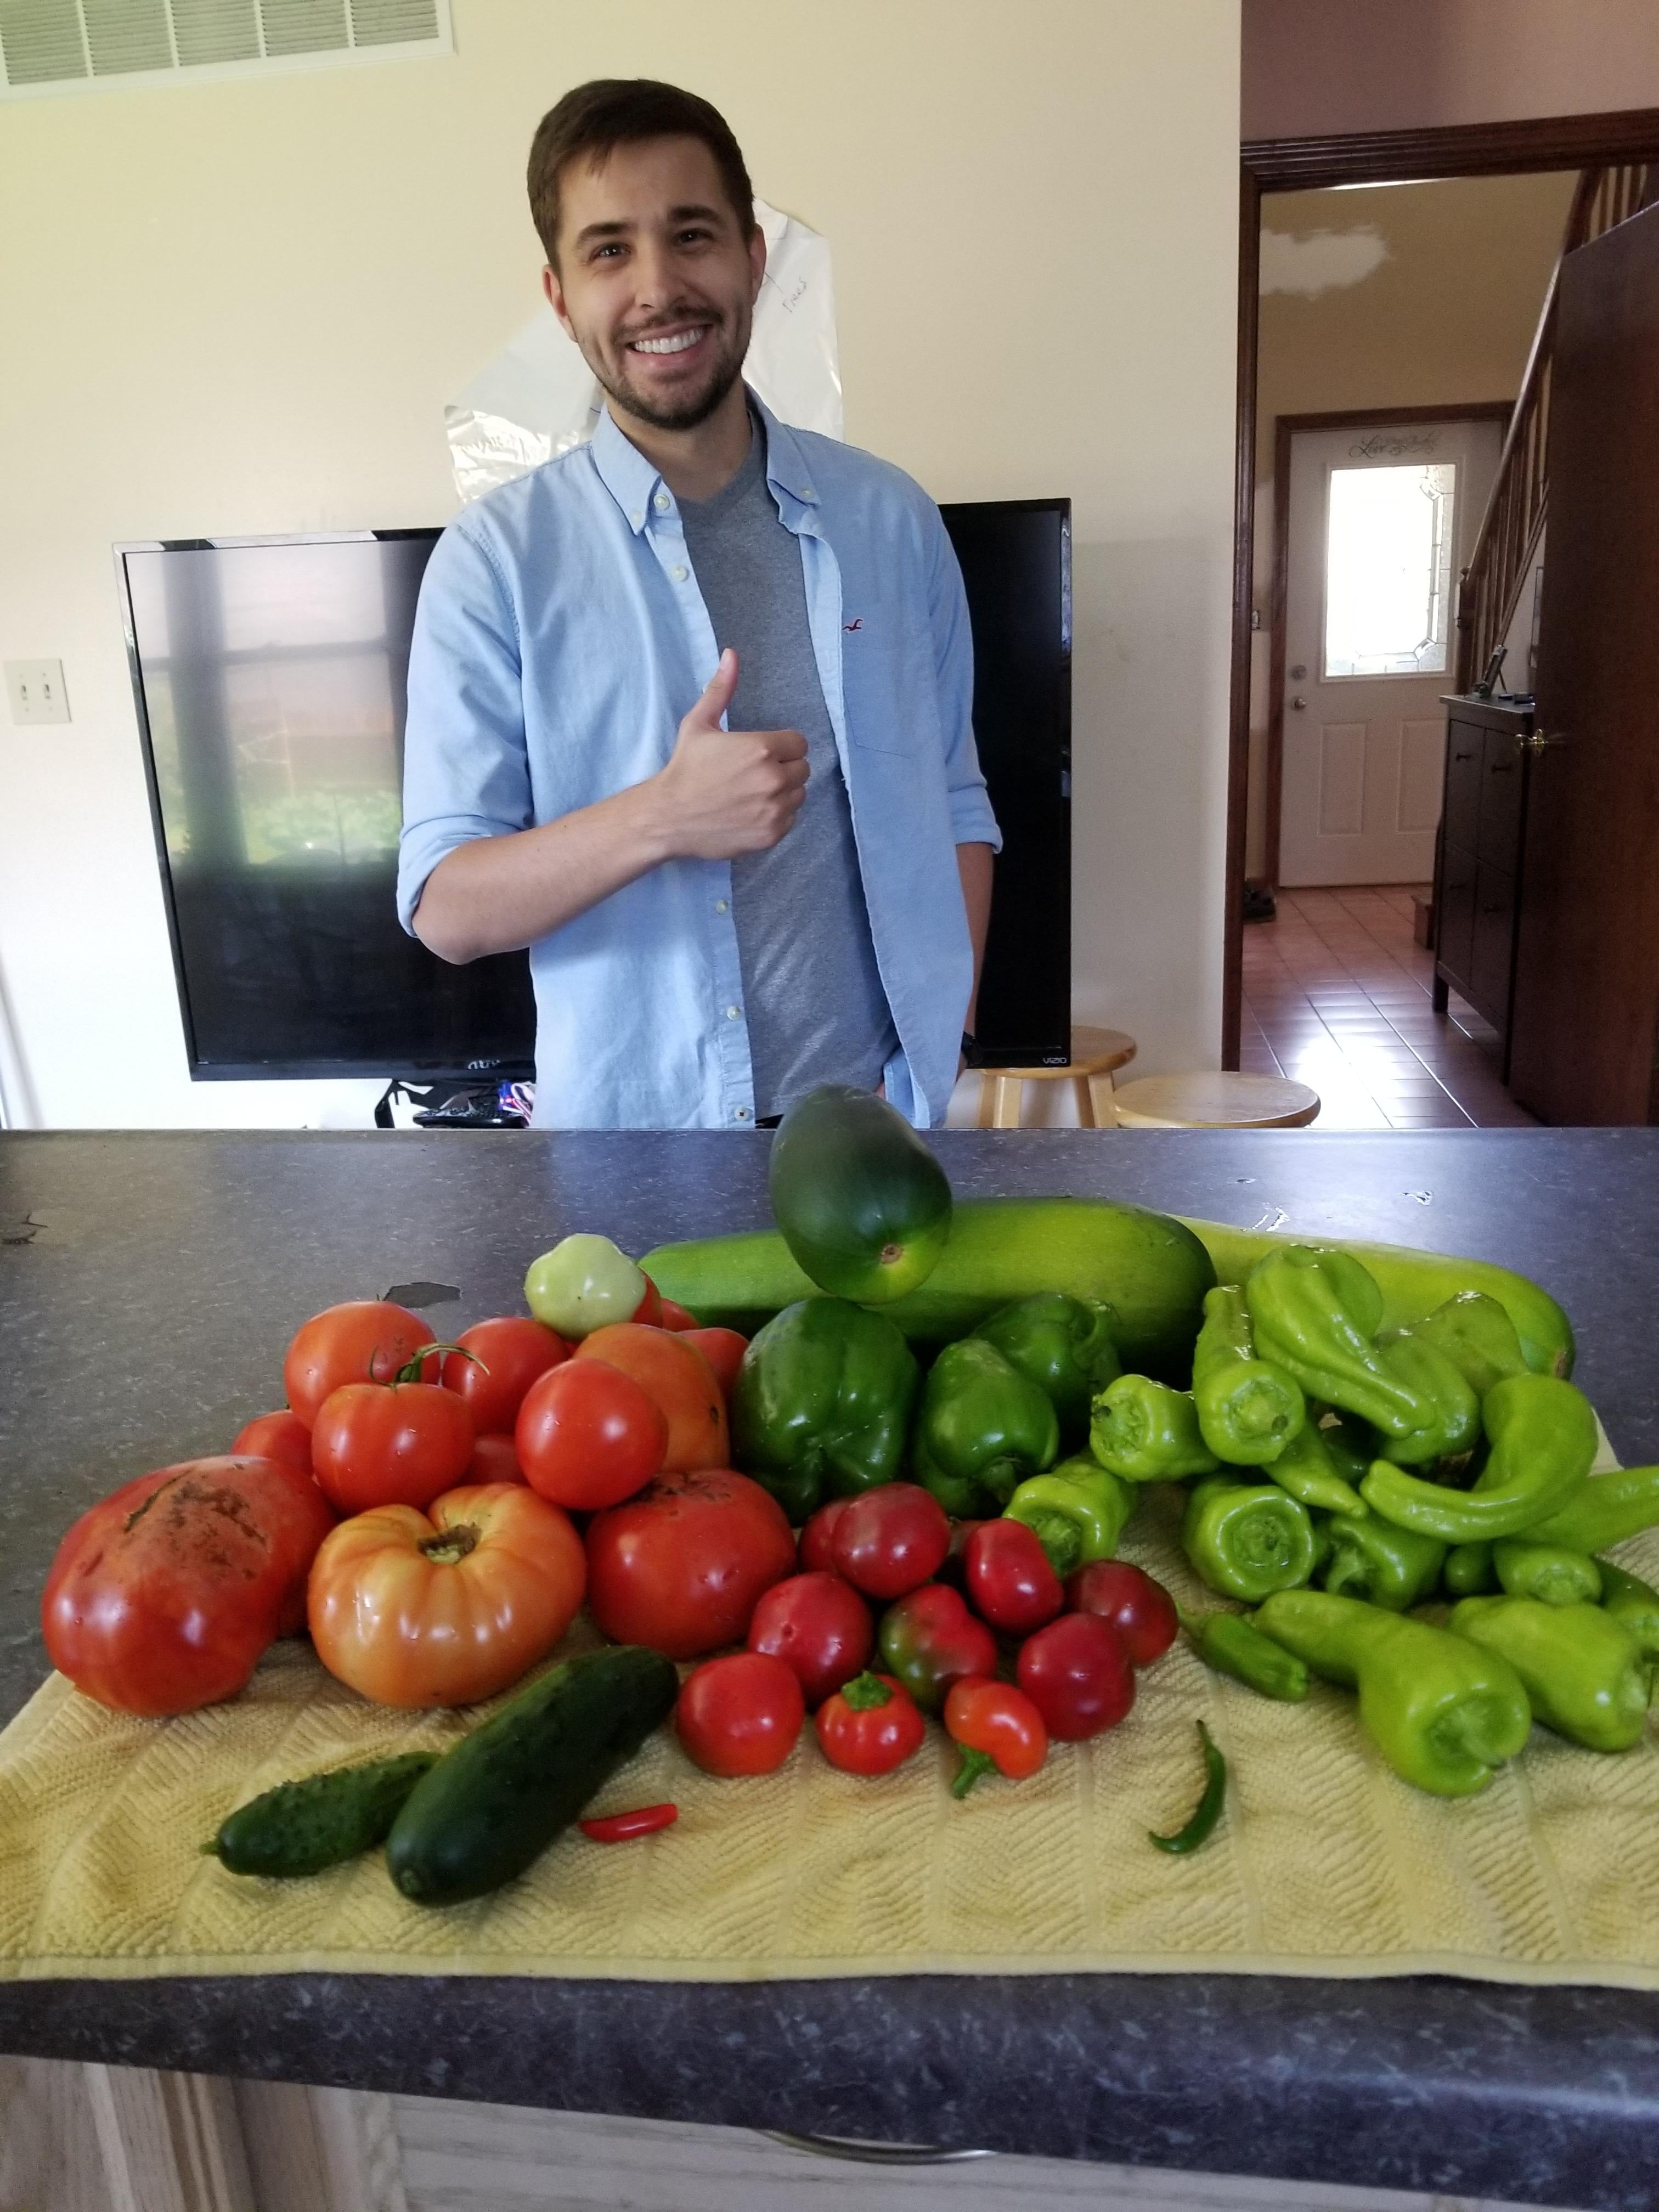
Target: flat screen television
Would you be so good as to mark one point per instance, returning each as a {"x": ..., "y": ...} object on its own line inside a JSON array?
[{"x": 269, "y": 675}]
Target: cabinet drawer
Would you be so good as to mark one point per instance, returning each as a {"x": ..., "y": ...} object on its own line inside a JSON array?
[
  {"x": 1455, "y": 922},
  {"x": 1499, "y": 837},
  {"x": 1493, "y": 961},
  {"x": 1464, "y": 748}
]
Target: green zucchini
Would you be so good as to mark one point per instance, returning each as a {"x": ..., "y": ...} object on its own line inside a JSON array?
[
  {"x": 1149, "y": 1268},
  {"x": 496, "y": 1800},
  {"x": 301, "y": 1828},
  {"x": 862, "y": 1204},
  {"x": 1413, "y": 1285}
]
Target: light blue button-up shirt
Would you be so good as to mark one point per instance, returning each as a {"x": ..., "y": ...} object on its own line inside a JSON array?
[{"x": 560, "y": 639}]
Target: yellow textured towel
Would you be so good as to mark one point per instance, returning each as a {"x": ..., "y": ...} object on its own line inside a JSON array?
[{"x": 1325, "y": 1862}]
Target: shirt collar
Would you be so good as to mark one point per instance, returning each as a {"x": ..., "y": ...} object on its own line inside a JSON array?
[{"x": 632, "y": 481}]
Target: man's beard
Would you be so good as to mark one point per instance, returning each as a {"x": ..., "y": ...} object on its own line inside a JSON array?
[{"x": 687, "y": 413}]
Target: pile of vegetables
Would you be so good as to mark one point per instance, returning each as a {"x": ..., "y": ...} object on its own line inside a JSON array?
[{"x": 875, "y": 1468}]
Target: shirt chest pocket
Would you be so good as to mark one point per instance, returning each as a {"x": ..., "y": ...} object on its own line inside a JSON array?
[{"x": 891, "y": 694}]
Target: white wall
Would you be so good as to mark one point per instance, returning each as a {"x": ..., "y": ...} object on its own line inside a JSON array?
[{"x": 239, "y": 308}]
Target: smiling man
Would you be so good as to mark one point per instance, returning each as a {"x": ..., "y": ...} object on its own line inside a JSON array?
[{"x": 689, "y": 707}]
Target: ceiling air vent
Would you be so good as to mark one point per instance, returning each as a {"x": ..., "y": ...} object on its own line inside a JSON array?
[{"x": 80, "y": 46}]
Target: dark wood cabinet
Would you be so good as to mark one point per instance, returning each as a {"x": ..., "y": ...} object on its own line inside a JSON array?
[{"x": 1477, "y": 885}]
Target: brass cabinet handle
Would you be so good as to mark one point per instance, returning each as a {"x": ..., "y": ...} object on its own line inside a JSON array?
[{"x": 1543, "y": 741}]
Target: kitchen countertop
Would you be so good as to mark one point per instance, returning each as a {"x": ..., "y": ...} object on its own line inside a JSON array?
[{"x": 149, "y": 1283}]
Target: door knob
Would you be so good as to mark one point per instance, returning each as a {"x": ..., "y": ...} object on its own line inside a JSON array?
[
  {"x": 1298, "y": 703},
  {"x": 1544, "y": 741}
]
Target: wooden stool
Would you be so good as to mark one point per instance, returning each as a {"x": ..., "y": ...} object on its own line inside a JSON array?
[
  {"x": 1212, "y": 1098},
  {"x": 1095, "y": 1053}
]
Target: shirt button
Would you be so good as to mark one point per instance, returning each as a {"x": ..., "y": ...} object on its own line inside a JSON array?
[
  {"x": 637, "y": 521},
  {"x": 741, "y": 1114},
  {"x": 678, "y": 574},
  {"x": 661, "y": 503},
  {"x": 732, "y": 1013},
  {"x": 721, "y": 905}
]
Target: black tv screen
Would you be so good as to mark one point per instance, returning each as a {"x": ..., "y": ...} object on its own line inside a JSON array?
[{"x": 270, "y": 677}]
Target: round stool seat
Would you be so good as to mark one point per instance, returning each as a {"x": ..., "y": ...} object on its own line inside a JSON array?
[
  {"x": 1215, "y": 1098},
  {"x": 1095, "y": 1055}
]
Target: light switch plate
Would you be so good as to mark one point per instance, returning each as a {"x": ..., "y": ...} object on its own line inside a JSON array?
[{"x": 35, "y": 689}]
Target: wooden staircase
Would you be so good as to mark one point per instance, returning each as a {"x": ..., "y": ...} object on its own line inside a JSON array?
[{"x": 1513, "y": 525}]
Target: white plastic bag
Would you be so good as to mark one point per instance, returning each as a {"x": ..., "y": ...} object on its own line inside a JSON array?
[{"x": 537, "y": 399}]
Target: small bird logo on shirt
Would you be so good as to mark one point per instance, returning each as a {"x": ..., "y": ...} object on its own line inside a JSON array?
[{"x": 857, "y": 623}]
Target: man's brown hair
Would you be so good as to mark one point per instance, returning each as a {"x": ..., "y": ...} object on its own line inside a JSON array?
[{"x": 593, "y": 119}]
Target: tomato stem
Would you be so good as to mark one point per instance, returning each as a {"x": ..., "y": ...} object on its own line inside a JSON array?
[
  {"x": 449, "y": 1546},
  {"x": 410, "y": 1371}
]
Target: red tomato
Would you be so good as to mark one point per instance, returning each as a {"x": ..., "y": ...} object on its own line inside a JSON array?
[
  {"x": 589, "y": 1436},
  {"x": 509, "y": 1352},
  {"x": 870, "y": 1727},
  {"x": 682, "y": 1566},
  {"x": 1078, "y": 1674},
  {"x": 819, "y": 1625},
  {"x": 162, "y": 1597},
  {"x": 276, "y": 1436},
  {"x": 1141, "y": 1610},
  {"x": 495, "y": 1459},
  {"x": 740, "y": 1715},
  {"x": 680, "y": 1380},
  {"x": 364, "y": 1339},
  {"x": 412, "y": 1609},
  {"x": 723, "y": 1348},
  {"x": 675, "y": 1316},
  {"x": 648, "y": 1311},
  {"x": 891, "y": 1540},
  {"x": 389, "y": 1444},
  {"x": 1010, "y": 1582},
  {"x": 817, "y": 1552}
]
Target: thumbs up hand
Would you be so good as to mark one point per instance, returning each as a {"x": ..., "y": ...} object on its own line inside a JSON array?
[{"x": 727, "y": 791}]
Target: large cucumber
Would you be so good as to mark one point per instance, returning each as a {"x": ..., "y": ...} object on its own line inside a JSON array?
[
  {"x": 497, "y": 1800},
  {"x": 1148, "y": 1267},
  {"x": 1413, "y": 1285},
  {"x": 863, "y": 1205}
]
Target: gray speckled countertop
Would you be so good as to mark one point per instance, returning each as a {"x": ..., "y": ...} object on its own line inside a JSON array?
[{"x": 147, "y": 1284}]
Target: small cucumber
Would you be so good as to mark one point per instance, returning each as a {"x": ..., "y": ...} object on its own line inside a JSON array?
[
  {"x": 300, "y": 1827},
  {"x": 495, "y": 1803}
]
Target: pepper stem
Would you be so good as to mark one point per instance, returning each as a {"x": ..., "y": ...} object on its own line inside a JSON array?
[
  {"x": 974, "y": 1764},
  {"x": 866, "y": 1693},
  {"x": 1060, "y": 1538}
]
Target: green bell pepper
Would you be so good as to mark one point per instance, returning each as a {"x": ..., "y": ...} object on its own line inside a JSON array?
[
  {"x": 1076, "y": 1510},
  {"x": 981, "y": 1430},
  {"x": 1479, "y": 1337},
  {"x": 1468, "y": 1572},
  {"x": 1145, "y": 1431},
  {"x": 1062, "y": 1344},
  {"x": 822, "y": 1403},
  {"x": 1542, "y": 1437},
  {"x": 1548, "y": 1572},
  {"x": 1582, "y": 1668},
  {"x": 1609, "y": 1508},
  {"x": 1248, "y": 1410},
  {"x": 1246, "y": 1540},
  {"x": 1315, "y": 1313},
  {"x": 1634, "y": 1605},
  {"x": 1306, "y": 1470},
  {"x": 1445, "y": 1715},
  {"x": 1371, "y": 1559},
  {"x": 1227, "y": 1642}
]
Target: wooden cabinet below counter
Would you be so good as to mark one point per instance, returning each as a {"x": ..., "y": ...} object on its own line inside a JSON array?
[{"x": 1477, "y": 892}]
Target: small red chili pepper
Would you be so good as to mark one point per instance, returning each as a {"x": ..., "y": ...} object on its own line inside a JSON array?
[
  {"x": 621, "y": 1827},
  {"x": 998, "y": 1729}
]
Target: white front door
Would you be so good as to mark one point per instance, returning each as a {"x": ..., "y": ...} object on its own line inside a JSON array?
[{"x": 1381, "y": 520}]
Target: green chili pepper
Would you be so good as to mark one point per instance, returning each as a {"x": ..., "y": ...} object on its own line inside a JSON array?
[
  {"x": 1248, "y": 1410},
  {"x": 1547, "y": 1571},
  {"x": 1351, "y": 1444},
  {"x": 1306, "y": 1470},
  {"x": 1315, "y": 1313},
  {"x": 1444, "y": 1714},
  {"x": 1468, "y": 1572},
  {"x": 1062, "y": 1344},
  {"x": 1608, "y": 1509},
  {"x": 1634, "y": 1605},
  {"x": 1147, "y": 1432},
  {"x": 982, "y": 1429},
  {"x": 1245, "y": 1540},
  {"x": 1394, "y": 1568},
  {"x": 1582, "y": 1668},
  {"x": 1078, "y": 1511},
  {"x": 1207, "y": 1811},
  {"x": 822, "y": 1403},
  {"x": 1479, "y": 1337},
  {"x": 1227, "y": 1642},
  {"x": 1542, "y": 1438}
]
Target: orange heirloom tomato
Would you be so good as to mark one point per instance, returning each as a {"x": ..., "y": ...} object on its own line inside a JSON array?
[
  {"x": 449, "y": 1605},
  {"x": 677, "y": 1377}
]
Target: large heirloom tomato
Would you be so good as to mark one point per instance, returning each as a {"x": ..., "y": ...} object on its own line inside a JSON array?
[
  {"x": 163, "y": 1596},
  {"x": 677, "y": 1377},
  {"x": 364, "y": 1340},
  {"x": 447, "y": 1607},
  {"x": 682, "y": 1566}
]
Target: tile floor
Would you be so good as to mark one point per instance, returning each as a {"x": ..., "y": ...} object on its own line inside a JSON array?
[{"x": 1336, "y": 995}]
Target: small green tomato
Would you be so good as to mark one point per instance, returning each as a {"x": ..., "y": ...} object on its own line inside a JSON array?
[{"x": 582, "y": 1284}]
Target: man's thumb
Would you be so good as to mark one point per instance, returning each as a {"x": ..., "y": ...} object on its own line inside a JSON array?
[{"x": 717, "y": 693}]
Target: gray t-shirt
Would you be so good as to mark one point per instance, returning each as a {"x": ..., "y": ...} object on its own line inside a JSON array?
[{"x": 813, "y": 995}]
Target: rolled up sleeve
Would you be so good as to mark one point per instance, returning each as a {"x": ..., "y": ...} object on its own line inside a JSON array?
[
  {"x": 466, "y": 773},
  {"x": 972, "y": 822}
]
